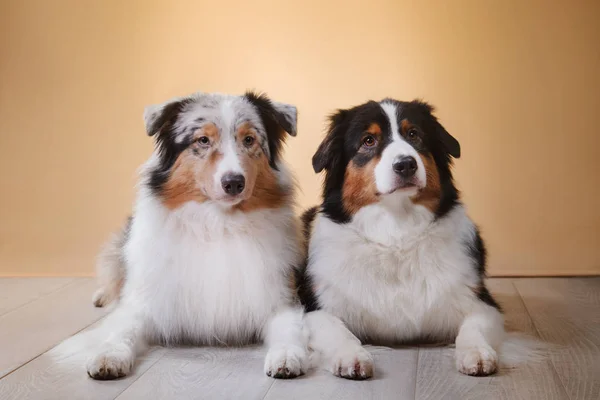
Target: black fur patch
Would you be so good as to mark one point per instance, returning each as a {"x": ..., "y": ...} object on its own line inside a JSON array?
[
  {"x": 304, "y": 282},
  {"x": 478, "y": 254},
  {"x": 276, "y": 125},
  {"x": 343, "y": 141},
  {"x": 168, "y": 150},
  {"x": 308, "y": 217},
  {"x": 484, "y": 295},
  {"x": 168, "y": 153}
]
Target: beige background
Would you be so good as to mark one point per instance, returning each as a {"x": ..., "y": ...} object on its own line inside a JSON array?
[{"x": 517, "y": 82}]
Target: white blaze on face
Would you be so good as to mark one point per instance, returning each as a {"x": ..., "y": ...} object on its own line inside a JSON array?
[
  {"x": 229, "y": 162},
  {"x": 386, "y": 180}
]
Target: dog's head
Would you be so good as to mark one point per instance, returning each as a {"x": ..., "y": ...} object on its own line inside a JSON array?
[
  {"x": 384, "y": 149},
  {"x": 221, "y": 148}
]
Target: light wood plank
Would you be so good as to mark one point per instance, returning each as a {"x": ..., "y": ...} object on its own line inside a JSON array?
[
  {"x": 395, "y": 374},
  {"x": 566, "y": 311},
  {"x": 204, "y": 373},
  {"x": 437, "y": 377},
  {"x": 43, "y": 379},
  {"x": 15, "y": 292},
  {"x": 38, "y": 326}
]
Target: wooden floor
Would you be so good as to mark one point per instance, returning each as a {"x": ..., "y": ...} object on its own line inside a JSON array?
[{"x": 38, "y": 313}]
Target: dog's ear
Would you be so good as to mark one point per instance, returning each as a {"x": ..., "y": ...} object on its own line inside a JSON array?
[
  {"x": 277, "y": 118},
  {"x": 330, "y": 150},
  {"x": 287, "y": 117},
  {"x": 159, "y": 116},
  {"x": 449, "y": 143}
]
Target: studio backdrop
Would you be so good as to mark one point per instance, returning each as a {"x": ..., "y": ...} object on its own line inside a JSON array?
[{"x": 516, "y": 82}]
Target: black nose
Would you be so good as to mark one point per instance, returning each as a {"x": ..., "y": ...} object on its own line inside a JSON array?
[
  {"x": 233, "y": 184},
  {"x": 405, "y": 167}
]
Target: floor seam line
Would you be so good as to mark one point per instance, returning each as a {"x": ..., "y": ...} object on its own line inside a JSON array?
[
  {"x": 47, "y": 350},
  {"x": 540, "y": 337},
  {"x": 136, "y": 379},
  {"x": 417, "y": 372},
  {"x": 40, "y": 297},
  {"x": 269, "y": 389}
]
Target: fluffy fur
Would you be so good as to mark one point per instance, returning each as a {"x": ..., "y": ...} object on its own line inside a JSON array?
[
  {"x": 208, "y": 255},
  {"x": 392, "y": 252}
]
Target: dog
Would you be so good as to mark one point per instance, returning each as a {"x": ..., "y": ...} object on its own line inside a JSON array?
[
  {"x": 392, "y": 252},
  {"x": 208, "y": 255}
]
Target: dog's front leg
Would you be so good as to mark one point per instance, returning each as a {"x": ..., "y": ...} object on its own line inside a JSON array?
[
  {"x": 286, "y": 339},
  {"x": 340, "y": 351},
  {"x": 116, "y": 355},
  {"x": 479, "y": 340}
]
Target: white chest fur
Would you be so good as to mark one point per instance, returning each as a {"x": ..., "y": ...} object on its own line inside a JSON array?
[
  {"x": 395, "y": 274},
  {"x": 202, "y": 275}
]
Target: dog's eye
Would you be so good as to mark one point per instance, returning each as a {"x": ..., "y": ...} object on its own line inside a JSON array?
[
  {"x": 204, "y": 140},
  {"x": 248, "y": 141},
  {"x": 412, "y": 133},
  {"x": 369, "y": 141}
]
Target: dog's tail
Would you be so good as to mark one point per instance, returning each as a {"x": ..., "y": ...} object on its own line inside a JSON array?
[{"x": 110, "y": 267}]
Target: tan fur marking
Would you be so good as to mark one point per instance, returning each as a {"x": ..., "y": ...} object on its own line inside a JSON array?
[
  {"x": 190, "y": 173},
  {"x": 244, "y": 130},
  {"x": 182, "y": 184},
  {"x": 374, "y": 129},
  {"x": 405, "y": 125},
  {"x": 293, "y": 285},
  {"x": 359, "y": 186},
  {"x": 209, "y": 130},
  {"x": 267, "y": 192},
  {"x": 430, "y": 195}
]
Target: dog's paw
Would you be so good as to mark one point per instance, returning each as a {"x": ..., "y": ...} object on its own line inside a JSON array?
[
  {"x": 285, "y": 362},
  {"x": 477, "y": 361},
  {"x": 111, "y": 363},
  {"x": 353, "y": 362}
]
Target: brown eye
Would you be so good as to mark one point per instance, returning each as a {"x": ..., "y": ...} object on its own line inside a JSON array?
[
  {"x": 204, "y": 140},
  {"x": 369, "y": 141},
  {"x": 248, "y": 141},
  {"x": 412, "y": 133}
]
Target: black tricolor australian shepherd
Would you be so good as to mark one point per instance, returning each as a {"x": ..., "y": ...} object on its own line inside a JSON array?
[{"x": 392, "y": 251}]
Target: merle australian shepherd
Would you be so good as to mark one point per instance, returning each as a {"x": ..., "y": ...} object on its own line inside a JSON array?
[
  {"x": 209, "y": 253},
  {"x": 392, "y": 251}
]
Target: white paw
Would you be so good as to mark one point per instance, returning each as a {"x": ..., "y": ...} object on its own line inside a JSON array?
[
  {"x": 286, "y": 362},
  {"x": 111, "y": 363},
  {"x": 476, "y": 361},
  {"x": 353, "y": 363}
]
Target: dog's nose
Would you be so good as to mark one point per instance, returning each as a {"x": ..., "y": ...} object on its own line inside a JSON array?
[
  {"x": 233, "y": 184},
  {"x": 405, "y": 167}
]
